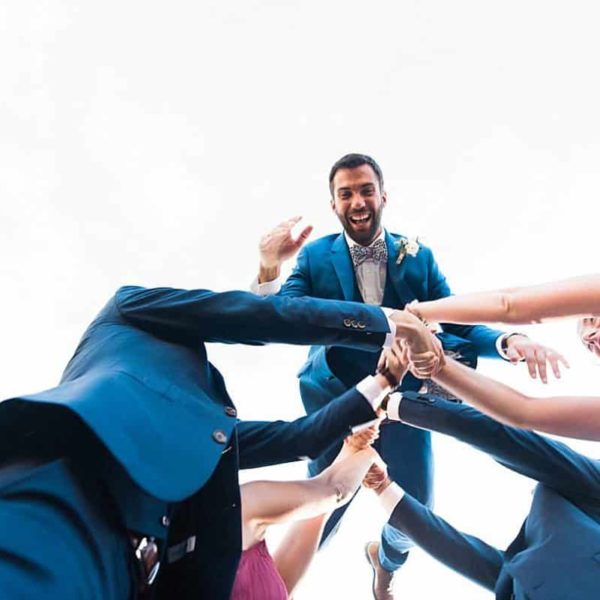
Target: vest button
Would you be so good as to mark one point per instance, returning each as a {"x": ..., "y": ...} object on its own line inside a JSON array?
[
  {"x": 165, "y": 521},
  {"x": 219, "y": 436}
]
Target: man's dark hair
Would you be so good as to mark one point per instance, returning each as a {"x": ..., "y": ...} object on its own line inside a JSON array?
[{"x": 351, "y": 161}]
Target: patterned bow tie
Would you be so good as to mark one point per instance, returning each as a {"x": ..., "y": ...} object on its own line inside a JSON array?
[{"x": 376, "y": 252}]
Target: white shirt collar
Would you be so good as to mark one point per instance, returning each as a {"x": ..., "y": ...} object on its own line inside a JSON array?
[{"x": 352, "y": 243}]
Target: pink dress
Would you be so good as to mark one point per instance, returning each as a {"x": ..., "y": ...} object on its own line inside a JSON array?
[{"x": 257, "y": 577}]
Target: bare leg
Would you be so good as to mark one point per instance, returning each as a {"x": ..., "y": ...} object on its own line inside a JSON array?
[{"x": 297, "y": 550}]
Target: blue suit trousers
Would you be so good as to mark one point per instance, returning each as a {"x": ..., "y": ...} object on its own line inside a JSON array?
[{"x": 406, "y": 450}]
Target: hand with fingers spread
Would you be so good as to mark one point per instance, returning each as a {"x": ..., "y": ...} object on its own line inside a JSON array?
[
  {"x": 520, "y": 348},
  {"x": 278, "y": 245}
]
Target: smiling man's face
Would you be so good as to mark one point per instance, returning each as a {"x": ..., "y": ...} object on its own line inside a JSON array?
[{"x": 358, "y": 202}]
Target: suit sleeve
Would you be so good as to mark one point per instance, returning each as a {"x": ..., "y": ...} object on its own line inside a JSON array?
[
  {"x": 483, "y": 338},
  {"x": 542, "y": 459},
  {"x": 465, "y": 554},
  {"x": 299, "y": 282},
  {"x": 264, "y": 443},
  {"x": 191, "y": 317}
]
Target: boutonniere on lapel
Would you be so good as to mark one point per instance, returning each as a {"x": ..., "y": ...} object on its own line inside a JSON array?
[{"x": 406, "y": 246}]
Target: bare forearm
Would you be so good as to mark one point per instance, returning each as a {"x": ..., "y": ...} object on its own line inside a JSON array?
[
  {"x": 579, "y": 296},
  {"x": 570, "y": 416},
  {"x": 502, "y": 402}
]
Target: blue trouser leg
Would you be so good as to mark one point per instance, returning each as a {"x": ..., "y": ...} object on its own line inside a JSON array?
[
  {"x": 406, "y": 450},
  {"x": 60, "y": 540},
  {"x": 408, "y": 455},
  {"x": 464, "y": 553},
  {"x": 543, "y": 459}
]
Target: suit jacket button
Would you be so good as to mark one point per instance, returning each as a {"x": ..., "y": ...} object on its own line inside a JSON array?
[
  {"x": 354, "y": 324},
  {"x": 219, "y": 436},
  {"x": 348, "y": 322},
  {"x": 230, "y": 411},
  {"x": 361, "y": 325},
  {"x": 165, "y": 521}
]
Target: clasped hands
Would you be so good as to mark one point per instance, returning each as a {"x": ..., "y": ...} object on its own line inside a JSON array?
[{"x": 416, "y": 349}]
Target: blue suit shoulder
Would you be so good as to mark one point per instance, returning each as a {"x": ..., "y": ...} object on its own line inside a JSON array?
[{"x": 321, "y": 244}]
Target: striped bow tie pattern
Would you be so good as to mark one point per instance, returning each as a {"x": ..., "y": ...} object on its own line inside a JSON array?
[{"x": 376, "y": 252}]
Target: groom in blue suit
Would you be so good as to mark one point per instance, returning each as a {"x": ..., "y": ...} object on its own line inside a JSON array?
[
  {"x": 131, "y": 461},
  {"x": 368, "y": 264}
]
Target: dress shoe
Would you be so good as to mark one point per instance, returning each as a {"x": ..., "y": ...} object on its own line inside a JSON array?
[{"x": 383, "y": 581}]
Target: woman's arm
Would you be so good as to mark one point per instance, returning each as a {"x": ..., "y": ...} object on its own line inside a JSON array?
[
  {"x": 571, "y": 416},
  {"x": 265, "y": 503},
  {"x": 579, "y": 296}
]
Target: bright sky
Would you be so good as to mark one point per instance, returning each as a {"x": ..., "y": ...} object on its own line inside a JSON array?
[{"x": 152, "y": 143}]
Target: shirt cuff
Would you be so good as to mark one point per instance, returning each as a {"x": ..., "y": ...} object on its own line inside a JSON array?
[
  {"x": 391, "y": 336},
  {"x": 390, "y": 497},
  {"x": 267, "y": 288},
  {"x": 362, "y": 426},
  {"x": 500, "y": 342},
  {"x": 393, "y": 406},
  {"x": 372, "y": 391}
]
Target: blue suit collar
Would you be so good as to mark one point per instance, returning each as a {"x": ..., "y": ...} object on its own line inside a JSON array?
[{"x": 342, "y": 264}]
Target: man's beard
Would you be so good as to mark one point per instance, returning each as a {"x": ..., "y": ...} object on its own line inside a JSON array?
[{"x": 363, "y": 236}]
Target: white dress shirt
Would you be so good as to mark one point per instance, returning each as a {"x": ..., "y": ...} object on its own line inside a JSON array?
[{"x": 370, "y": 274}]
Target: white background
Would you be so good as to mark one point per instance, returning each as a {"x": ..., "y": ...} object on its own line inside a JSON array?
[{"x": 151, "y": 143}]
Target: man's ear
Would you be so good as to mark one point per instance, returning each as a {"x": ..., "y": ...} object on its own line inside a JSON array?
[
  {"x": 383, "y": 198},
  {"x": 332, "y": 204}
]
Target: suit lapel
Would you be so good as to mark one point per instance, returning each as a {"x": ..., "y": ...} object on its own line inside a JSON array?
[
  {"x": 395, "y": 272},
  {"x": 342, "y": 264}
]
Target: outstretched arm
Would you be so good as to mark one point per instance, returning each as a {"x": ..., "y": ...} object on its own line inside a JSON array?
[
  {"x": 265, "y": 503},
  {"x": 190, "y": 317},
  {"x": 579, "y": 296},
  {"x": 263, "y": 443},
  {"x": 465, "y": 554},
  {"x": 571, "y": 416}
]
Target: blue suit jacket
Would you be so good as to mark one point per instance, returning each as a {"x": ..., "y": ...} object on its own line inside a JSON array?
[
  {"x": 141, "y": 383},
  {"x": 556, "y": 554},
  {"x": 141, "y": 380},
  {"x": 324, "y": 270}
]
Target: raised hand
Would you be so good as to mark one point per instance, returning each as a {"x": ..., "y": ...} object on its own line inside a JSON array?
[
  {"x": 279, "y": 244},
  {"x": 538, "y": 357}
]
